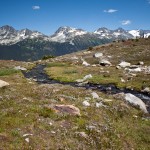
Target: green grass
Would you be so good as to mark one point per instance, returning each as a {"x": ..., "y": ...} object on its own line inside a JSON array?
[
  {"x": 4, "y": 72},
  {"x": 117, "y": 126}
]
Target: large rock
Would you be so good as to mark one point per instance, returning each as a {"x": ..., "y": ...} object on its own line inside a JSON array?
[
  {"x": 69, "y": 109},
  {"x": 3, "y": 83},
  {"x": 104, "y": 62},
  {"x": 89, "y": 76},
  {"x": 85, "y": 63},
  {"x": 135, "y": 101},
  {"x": 124, "y": 64},
  {"x": 20, "y": 68},
  {"x": 97, "y": 55},
  {"x": 95, "y": 95},
  {"x": 85, "y": 78}
]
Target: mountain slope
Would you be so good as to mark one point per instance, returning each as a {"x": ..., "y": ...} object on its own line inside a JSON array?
[{"x": 33, "y": 45}]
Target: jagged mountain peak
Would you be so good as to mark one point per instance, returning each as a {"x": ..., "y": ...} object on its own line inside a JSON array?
[
  {"x": 67, "y": 29},
  {"x": 7, "y": 27},
  {"x": 66, "y": 33}
]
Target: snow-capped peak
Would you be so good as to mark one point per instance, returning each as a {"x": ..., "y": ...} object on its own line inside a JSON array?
[
  {"x": 65, "y": 33},
  {"x": 135, "y": 33},
  {"x": 8, "y": 35},
  {"x": 102, "y": 30}
]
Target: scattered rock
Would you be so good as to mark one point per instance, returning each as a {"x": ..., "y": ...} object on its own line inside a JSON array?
[
  {"x": 95, "y": 95},
  {"x": 20, "y": 68},
  {"x": 135, "y": 101},
  {"x": 74, "y": 58},
  {"x": 53, "y": 132},
  {"x": 79, "y": 80},
  {"x": 105, "y": 62},
  {"x": 86, "y": 103},
  {"x": 124, "y": 64},
  {"x": 97, "y": 55},
  {"x": 3, "y": 83},
  {"x": 147, "y": 89},
  {"x": 69, "y": 109},
  {"x": 99, "y": 104},
  {"x": 27, "y": 135},
  {"x": 84, "y": 79},
  {"x": 140, "y": 63},
  {"x": 87, "y": 77},
  {"x": 94, "y": 65},
  {"x": 122, "y": 80},
  {"x": 90, "y": 127},
  {"x": 82, "y": 134},
  {"x": 27, "y": 140},
  {"x": 118, "y": 67},
  {"x": 134, "y": 68},
  {"x": 85, "y": 63}
]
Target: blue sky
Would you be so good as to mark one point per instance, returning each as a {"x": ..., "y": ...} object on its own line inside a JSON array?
[{"x": 47, "y": 15}]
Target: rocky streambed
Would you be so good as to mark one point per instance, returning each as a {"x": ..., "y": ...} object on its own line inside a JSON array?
[{"x": 39, "y": 75}]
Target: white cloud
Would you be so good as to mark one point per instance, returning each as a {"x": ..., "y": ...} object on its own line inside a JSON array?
[
  {"x": 110, "y": 11},
  {"x": 125, "y": 22},
  {"x": 148, "y": 1},
  {"x": 35, "y": 7}
]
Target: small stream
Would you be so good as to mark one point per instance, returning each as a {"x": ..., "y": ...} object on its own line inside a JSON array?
[{"x": 41, "y": 77}]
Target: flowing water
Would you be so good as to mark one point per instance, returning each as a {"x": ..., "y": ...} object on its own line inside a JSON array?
[{"x": 39, "y": 75}]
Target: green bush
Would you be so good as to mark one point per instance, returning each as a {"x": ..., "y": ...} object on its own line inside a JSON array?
[{"x": 47, "y": 57}]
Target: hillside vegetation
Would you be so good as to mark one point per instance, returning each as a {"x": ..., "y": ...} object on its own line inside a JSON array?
[{"x": 58, "y": 116}]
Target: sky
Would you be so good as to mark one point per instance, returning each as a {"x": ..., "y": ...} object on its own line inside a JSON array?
[{"x": 47, "y": 16}]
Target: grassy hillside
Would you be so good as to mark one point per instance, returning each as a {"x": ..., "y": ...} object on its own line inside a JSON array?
[{"x": 29, "y": 120}]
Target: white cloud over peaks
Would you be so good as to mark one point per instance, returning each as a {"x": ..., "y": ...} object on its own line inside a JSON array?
[
  {"x": 35, "y": 7},
  {"x": 110, "y": 11},
  {"x": 125, "y": 22}
]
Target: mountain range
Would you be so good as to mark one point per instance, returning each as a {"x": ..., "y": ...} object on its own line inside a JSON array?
[{"x": 32, "y": 45}]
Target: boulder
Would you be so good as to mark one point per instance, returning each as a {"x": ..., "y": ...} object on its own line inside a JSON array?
[
  {"x": 85, "y": 63},
  {"x": 105, "y": 62},
  {"x": 135, "y": 101},
  {"x": 131, "y": 99},
  {"x": 3, "y": 83},
  {"x": 69, "y": 109},
  {"x": 87, "y": 77},
  {"x": 147, "y": 89},
  {"x": 86, "y": 103},
  {"x": 97, "y": 55},
  {"x": 140, "y": 63},
  {"x": 84, "y": 79},
  {"x": 20, "y": 68},
  {"x": 124, "y": 64},
  {"x": 95, "y": 95}
]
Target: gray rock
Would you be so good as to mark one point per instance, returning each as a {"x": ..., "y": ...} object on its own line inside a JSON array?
[
  {"x": 141, "y": 63},
  {"x": 84, "y": 79},
  {"x": 147, "y": 89},
  {"x": 99, "y": 104},
  {"x": 82, "y": 134},
  {"x": 3, "y": 83},
  {"x": 86, "y": 103},
  {"x": 124, "y": 64},
  {"x": 97, "y": 55},
  {"x": 87, "y": 77},
  {"x": 69, "y": 109},
  {"x": 20, "y": 68},
  {"x": 95, "y": 95},
  {"x": 85, "y": 63},
  {"x": 104, "y": 62},
  {"x": 135, "y": 101}
]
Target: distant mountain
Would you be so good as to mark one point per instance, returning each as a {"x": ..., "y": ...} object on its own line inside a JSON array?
[
  {"x": 32, "y": 45},
  {"x": 9, "y": 36}
]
